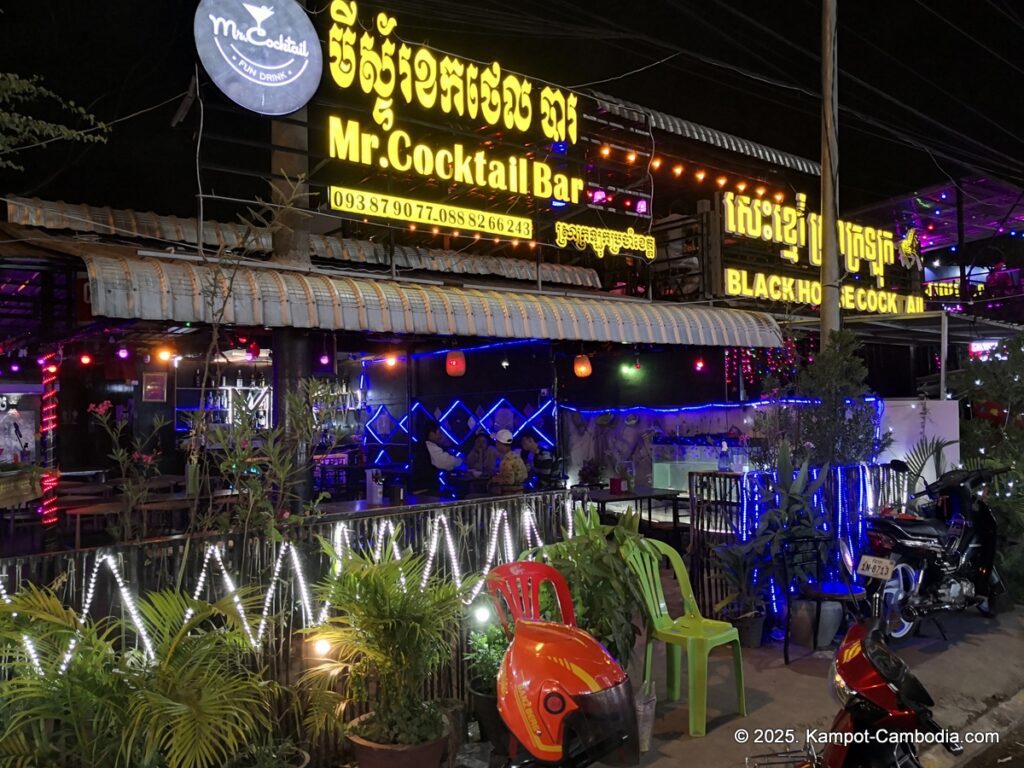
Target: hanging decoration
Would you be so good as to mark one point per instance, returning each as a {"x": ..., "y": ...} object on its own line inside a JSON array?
[
  {"x": 581, "y": 366},
  {"x": 455, "y": 363}
]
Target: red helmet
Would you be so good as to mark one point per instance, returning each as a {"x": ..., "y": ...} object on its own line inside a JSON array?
[{"x": 561, "y": 694}]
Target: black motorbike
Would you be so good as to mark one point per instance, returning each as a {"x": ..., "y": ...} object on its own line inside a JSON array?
[{"x": 943, "y": 549}]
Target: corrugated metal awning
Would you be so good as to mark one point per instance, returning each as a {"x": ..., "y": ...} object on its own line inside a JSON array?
[
  {"x": 188, "y": 291},
  {"x": 702, "y": 133},
  {"x": 237, "y": 238}
]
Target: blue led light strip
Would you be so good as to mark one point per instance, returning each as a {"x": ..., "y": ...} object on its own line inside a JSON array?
[{"x": 704, "y": 407}]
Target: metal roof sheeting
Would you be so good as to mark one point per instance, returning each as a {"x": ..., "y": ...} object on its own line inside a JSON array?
[
  {"x": 236, "y": 237},
  {"x": 697, "y": 132},
  {"x": 180, "y": 291}
]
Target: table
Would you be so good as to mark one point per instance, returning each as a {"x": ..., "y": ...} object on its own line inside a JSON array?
[
  {"x": 602, "y": 497},
  {"x": 159, "y": 482},
  {"x": 99, "y": 509},
  {"x": 78, "y": 488}
]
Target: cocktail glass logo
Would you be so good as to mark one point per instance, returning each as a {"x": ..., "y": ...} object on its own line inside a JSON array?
[{"x": 263, "y": 57}]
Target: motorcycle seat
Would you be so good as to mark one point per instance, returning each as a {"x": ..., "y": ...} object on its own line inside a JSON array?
[{"x": 918, "y": 529}]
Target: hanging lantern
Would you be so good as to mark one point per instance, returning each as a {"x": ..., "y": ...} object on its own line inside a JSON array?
[
  {"x": 581, "y": 366},
  {"x": 455, "y": 363}
]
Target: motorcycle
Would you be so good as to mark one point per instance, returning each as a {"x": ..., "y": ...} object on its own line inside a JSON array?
[
  {"x": 937, "y": 556},
  {"x": 883, "y": 706}
]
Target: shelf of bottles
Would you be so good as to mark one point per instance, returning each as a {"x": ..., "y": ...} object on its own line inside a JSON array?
[{"x": 242, "y": 391}]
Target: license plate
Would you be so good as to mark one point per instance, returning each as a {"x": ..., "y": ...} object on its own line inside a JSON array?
[{"x": 875, "y": 567}]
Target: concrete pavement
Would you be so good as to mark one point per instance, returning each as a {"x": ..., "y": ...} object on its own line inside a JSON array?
[{"x": 979, "y": 668}]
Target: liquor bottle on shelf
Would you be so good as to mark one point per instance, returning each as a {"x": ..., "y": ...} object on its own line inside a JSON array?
[
  {"x": 238, "y": 379},
  {"x": 197, "y": 379}
]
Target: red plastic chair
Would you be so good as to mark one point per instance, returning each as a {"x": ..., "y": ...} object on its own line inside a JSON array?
[{"x": 517, "y": 585}]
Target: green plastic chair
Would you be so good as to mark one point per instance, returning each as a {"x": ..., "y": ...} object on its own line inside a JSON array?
[{"x": 697, "y": 634}]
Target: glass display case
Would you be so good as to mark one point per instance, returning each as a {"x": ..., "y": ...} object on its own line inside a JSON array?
[{"x": 676, "y": 456}]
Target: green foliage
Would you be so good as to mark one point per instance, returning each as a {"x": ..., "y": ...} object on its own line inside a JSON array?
[
  {"x": 266, "y": 465},
  {"x": 606, "y": 593},
  {"x": 745, "y": 572},
  {"x": 790, "y": 514},
  {"x": 485, "y": 652},
  {"x": 994, "y": 436},
  {"x": 927, "y": 450},
  {"x": 20, "y": 130},
  {"x": 279, "y": 755},
  {"x": 841, "y": 429},
  {"x": 390, "y": 635},
  {"x": 195, "y": 706},
  {"x": 136, "y": 461}
]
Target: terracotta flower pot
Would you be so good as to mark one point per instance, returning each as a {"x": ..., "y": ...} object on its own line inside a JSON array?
[{"x": 370, "y": 754}]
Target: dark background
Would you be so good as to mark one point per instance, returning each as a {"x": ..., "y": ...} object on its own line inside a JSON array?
[{"x": 122, "y": 57}]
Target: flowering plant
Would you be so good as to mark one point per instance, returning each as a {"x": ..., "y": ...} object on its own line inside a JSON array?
[{"x": 135, "y": 458}]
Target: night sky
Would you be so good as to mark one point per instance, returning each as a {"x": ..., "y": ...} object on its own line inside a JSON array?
[{"x": 132, "y": 55}]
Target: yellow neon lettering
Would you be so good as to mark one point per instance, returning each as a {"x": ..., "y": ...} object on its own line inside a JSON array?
[
  {"x": 443, "y": 164},
  {"x": 733, "y": 282},
  {"x": 398, "y": 146},
  {"x": 394, "y": 208},
  {"x": 541, "y": 180},
  {"x": 347, "y": 142}
]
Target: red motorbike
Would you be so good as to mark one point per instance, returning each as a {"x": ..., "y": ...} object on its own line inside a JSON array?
[{"x": 886, "y": 711}]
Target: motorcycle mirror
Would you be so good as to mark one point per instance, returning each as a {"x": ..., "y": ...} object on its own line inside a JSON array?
[{"x": 898, "y": 466}]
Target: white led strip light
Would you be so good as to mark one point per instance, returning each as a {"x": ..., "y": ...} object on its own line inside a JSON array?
[{"x": 500, "y": 534}]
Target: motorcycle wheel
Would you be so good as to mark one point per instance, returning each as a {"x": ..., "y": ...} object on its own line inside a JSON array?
[
  {"x": 989, "y": 607},
  {"x": 896, "y": 594}
]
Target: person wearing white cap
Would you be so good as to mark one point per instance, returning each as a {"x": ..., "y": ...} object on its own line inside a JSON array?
[{"x": 511, "y": 468}]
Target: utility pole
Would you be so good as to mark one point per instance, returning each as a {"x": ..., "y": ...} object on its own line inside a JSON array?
[{"x": 830, "y": 317}]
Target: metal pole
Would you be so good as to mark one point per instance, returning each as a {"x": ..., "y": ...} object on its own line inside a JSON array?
[
  {"x": 943, "y": 351},
  {"x": 965, "y": 288},
  {"x": 830, "y": 315}
]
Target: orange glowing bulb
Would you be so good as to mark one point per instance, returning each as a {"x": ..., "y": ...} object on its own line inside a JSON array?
[
  {"x": 435, "y": 230},
  {"x": 760, "y": 191},
  {"x": 605, "y": 151},
  {"x": 631, "y": 157},
  {"x": 163, "y": 355},
  {"x": 390, "y": 361},
  {"x": 476, "y": 236},
  {"x": 678, "y": 170},
  {"x": 721, "y": 180},
  {"x": 412, "y": 227},
  {"x": 741, "y": 186},
  {"x": 779, "y": 197},
  {"x": 455, "y": 233},
  {"x": 700, "y": 175},
  {"x": 656, "y": 163}
]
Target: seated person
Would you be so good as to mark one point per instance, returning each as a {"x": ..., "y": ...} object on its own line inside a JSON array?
[
  {"x": 511, "y": 470},
  {"x": 428, "y": 459},
  {"x": 482, "y": 457},
  {"x": 541, "y": 463}
]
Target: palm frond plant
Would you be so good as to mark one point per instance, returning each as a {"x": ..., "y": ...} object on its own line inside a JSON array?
[
  {"x": 790, "y": 514},
  {"x": 927, "y": 450},
  {"x": 86, "y": 695},
  {"x": 393, "y": 630}
]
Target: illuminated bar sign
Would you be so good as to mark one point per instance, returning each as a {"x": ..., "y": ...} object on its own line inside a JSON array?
[
  {"x": 799, "y": 232},
  {"x": 403, "y": 81},
  {"x": 602, "y": 240},
  {"x": 388, "y": 206}
]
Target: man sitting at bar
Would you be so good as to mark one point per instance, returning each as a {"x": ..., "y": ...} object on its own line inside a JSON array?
[
  {"x": 511, "y": 471},
  {"x": 541, "y": 463},
  {"x": 428, "y": 459},
  {"x": 482, "y": 457}
]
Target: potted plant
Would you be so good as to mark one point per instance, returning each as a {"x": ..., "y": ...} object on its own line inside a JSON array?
[
  {"x": 606, "y": 594},
  {"x": 743, "y": 607},
  {"x": 484, "y": 655},
  {"x": 394, "y": 629},
  {"x": 792, "y": 516}
]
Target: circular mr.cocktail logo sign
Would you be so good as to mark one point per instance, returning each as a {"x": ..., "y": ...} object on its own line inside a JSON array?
[{"x": 263, "y": 57}]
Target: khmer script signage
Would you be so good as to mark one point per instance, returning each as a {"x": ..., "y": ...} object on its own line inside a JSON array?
[{"x": 265, "y": 58}]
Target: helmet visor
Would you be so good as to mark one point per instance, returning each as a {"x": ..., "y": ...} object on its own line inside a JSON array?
[{"x": 604, "y": 728}]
